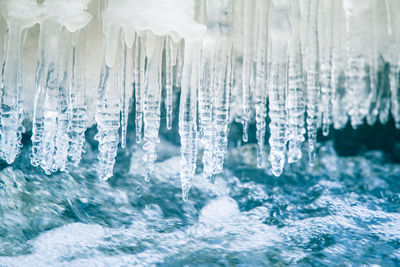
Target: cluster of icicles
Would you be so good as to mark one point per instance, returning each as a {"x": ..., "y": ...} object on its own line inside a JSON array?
[{"x": 307, "y": 64}]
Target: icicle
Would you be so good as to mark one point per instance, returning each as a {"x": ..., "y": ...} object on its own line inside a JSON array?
[
  {"x": 304, "y": 27},
  {"x": 187, "y": 116},
  {"x": 374, "y": 63},
  {"x": 222, "y": 102},
  {"x": 339, "y": 115},
  {"x": 38, "y": 110},
  {"x": 140, "y": 61},
  {"x": 356, "y": 87},
  {"x": 261, "y": 77},
  {"x": 169, "y": 64},
  {"x": 295, "y": 99},
  {"x": 62, "y": 136},
  {"x": 279, "y": 29},
  {"x": 344, "y": 53},
  {"x": 248, "y": 28},
  {"x": 108, "y": 111},
  {"x": 152, "y": 101},
  {"x": 46, "y": 98},
  {"x": 393, "y": 7},
  {"x": 11, "y": 94},
  {"x": 313, "y": 90},
  {"x": 77, "y": 103},
  {"x": 107, "y": 117},
  {"x": 325, "y": 45},
  {"x": 123, "y": 88},
  {"x": 206, "y": 93}
]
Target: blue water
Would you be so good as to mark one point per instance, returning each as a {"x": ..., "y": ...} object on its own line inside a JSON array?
[{"x": 344, "y": 210}]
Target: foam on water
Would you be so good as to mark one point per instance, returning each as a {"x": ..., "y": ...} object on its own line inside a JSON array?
[{"x": 342, "y": 210}]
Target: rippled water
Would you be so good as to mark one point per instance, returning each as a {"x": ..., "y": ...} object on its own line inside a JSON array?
[{"x": 343, "y": 210}]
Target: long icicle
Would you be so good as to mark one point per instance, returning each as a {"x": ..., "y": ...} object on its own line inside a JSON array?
[
  {"x": 356, "y": 85},
  {"x": 339, "y": 115},
  {"x": 248, "y": 18},
  {"x": 279, "y": 34},
  {"x": 188, "y": 116},
  {"x": 395, "y": 64},
  {"x": 11, "y": 94},
  {"x": 296, "y": 96},
  {"x": 393, "y": 7},
  {"x": 325, "y": 46},
  {"x": 261, "y": 78},
  {"x": 152, "y": 100},
  {"x": 374, "y": 64},
  {"x": 123, "y": 89},
  {"x": 77, "y": 102},
  {"x": 313, "y": 89},
  {"x": 63, "y": 118},
  {"x": 45, "y": 125},
  {"x": 108, "y": 113},
  {"x": 206, "y": 101},
  {"x": 169, "y": 64},
  {"x": 140, "y": 61},
  {"x": 38, "y": 109},
  {"x": 222, "y": 104}
]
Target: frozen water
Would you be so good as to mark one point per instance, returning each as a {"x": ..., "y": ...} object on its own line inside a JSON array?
[
  {"x": 301, "y": 65},
  {"x": 184, "y": 90}
]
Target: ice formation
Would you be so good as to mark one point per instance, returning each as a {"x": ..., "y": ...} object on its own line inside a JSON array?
[{"x": 306, "y": 64}]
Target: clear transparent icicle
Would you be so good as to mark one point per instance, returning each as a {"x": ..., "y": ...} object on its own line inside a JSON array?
[
  {"x": 296, "y": 97},
  {"x": 125, "y": 87},
  {"x": 260, "y": 102},
  {"x": 222, "y": 104},
  {"x": 334, "y": 61},
  {"x": 11, "y": 111},
  {"x": 63, "y": 119},
  {"x": 209, "y": 70},
  {"x": 188, "y": 115},
  {"x": 277, "y": 114},
  {"x": 393, "y": 7},
  {"x": 325, "y": 23},
  {"x": 169, "y": 82},
  {"x": 313, "y": 88},
  {"x": 374, "y": 65},
  {"x": 108, "y": 112},
  {"x": 339, "y": 115},
  {"x": 49, "y": 135},
  {"x": 139, "y": 73},
  {"x": 279, "y": 29},
  {"x": 108, "y": 123},
  {"x": 152, "y": 100},
  {"x": 38, "y": 116},
  {"x": 356, "y": 86},
  {"x": 248, "y": 28},
  {"x": 77, "y": 103}
]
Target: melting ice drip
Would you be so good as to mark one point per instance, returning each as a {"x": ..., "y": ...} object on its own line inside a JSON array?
[{"x": 307, "y": 64}]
